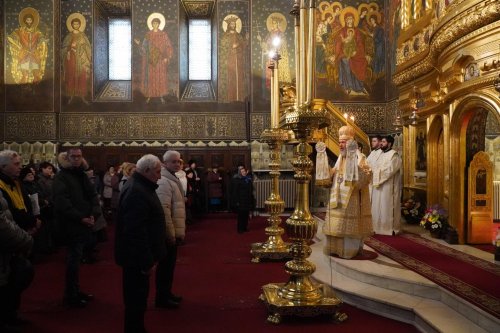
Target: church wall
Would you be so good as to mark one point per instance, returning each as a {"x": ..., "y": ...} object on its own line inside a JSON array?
[{"x": 44, "y": 112}]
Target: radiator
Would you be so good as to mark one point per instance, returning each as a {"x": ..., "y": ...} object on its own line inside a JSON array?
[
  {"x": 287, "y": 189},
  {"x": 496, "y": 200}
]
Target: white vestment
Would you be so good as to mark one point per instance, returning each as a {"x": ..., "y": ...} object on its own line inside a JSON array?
[
  {"x": 386, "y": 194},
  {"x": 372, "y": 161},
  {"x": 348, "y": 221}
]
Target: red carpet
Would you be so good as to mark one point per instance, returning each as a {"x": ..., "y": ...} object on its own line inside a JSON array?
[
  {"x": 469, "y": 277},
  {"x": 214, "y": 274},
  {"x": 485, "y": 247}
]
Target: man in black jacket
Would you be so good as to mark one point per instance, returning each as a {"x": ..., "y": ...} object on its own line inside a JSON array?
[
  {"x": 76, "y": 207},
  {"x": 139, "y": 239},
  {"x": 15, "y": 243}
]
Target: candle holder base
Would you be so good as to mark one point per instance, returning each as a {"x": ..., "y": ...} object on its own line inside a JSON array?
[
  {"x": 279, "y": 307},
  {"x": 263, "y": 251}
]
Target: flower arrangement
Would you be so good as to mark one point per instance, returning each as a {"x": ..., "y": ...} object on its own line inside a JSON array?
[
  {"x": 412, "y": 210},
  {"x": 435, "y": 219}
]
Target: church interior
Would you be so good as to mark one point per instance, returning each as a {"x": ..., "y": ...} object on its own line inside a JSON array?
[{"x": 219, "y": 81}]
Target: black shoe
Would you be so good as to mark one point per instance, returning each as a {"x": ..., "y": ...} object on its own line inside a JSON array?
[
  {"x": 86, "y": 297},
  {"x": 75, "y": 302},
  {"x": 167, "y": 304}
]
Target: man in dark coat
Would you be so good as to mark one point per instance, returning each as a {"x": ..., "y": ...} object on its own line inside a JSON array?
[
  {"x": 140, "y": 238},
  {"x": 242, "y": 198},
  {"x": 15, "y": 242},
  {"x": 76, "y": 207}
]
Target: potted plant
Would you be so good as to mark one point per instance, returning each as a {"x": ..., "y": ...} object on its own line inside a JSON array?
[
  {"x": 412, "y": 210},
  {"x": 435, "y": 220}
]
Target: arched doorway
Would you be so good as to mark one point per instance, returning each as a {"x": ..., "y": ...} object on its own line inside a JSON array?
[{"x": 467, "y": 136}]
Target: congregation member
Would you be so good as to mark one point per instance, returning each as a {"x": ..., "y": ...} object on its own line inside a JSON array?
[
  {"x": 194, "y": 194},
  {"x": 242, "y": 198},
  {"x": 386, "y": 190},
  {"x": 182, "y": 176},
  {"x": 76, "y": 207},
  {"x": 139, "y": 238},
  {"x": 45, "y": 182},
  {"x": 127, "y": 169},
  {"x": 18, "y": 200},
  {"x": 16, "y": 272},
  {"x": 170, "y": 193},
  {"x": 348, "y": 221},
  {"x": 215, "y": 185}
]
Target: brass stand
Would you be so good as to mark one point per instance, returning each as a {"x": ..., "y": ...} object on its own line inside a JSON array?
[
  {"x": 300, "y": 296},
  {"x": 274, "y": 248}
]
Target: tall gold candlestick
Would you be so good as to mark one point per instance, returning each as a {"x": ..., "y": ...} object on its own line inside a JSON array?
[
  {"x": 300, "y": 295},
  {"x": 274, "y": 248}
]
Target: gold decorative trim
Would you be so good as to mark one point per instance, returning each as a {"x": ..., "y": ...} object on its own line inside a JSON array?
[
  {"x": 30, "y": 127},
  {"x": 149, "y": 127},
  {"x": 463, "y": 24}
]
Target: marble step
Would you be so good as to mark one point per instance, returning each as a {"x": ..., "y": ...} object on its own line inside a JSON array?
[{"x": 384, "y": 287}]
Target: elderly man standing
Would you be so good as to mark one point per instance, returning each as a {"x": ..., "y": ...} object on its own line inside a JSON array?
[
  {"x": 15, "y": 245},
  {"x": 18, "y": 200},
  {"x": 140, "y": 238},
  {"x": 76, "y": 207},
  {"x": 348, "y": 219},
  {"x": 386, "y": 190},
  {"x": 172, "y": 198}
]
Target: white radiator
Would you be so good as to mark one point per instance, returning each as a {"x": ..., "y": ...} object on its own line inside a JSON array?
[
  {"x": 287, "y": 189},
  {"x": 496, "y": 200}
]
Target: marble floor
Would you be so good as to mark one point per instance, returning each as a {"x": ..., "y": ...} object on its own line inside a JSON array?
[{"x": 385, "y": 287}]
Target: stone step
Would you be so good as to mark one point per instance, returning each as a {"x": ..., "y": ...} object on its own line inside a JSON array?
[{"x": 385, "y": 287}]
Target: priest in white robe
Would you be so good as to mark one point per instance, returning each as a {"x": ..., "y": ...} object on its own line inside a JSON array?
[
  {"x": 386, "y": 190},
  {"x": 374, "y": 155},
  {"x": 348, "y": 219}
]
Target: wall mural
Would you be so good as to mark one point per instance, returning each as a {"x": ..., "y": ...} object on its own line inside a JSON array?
[
  {"x": 270, "y": 20},
  {"x": 155, "y": 49},
  {"x": 76, "y": 53},
  {"x": 28, "y": 56},
  {"x": 350, "y": 51},
  {"x": 233, "y": 51}
]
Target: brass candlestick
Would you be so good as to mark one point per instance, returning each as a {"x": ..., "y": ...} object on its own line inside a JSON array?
[
  {"x": 274, "y": 248},
  {"x": 301, "y": 296}
]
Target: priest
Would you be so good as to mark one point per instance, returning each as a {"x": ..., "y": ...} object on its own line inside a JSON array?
[{"x": 348, "y": 218}]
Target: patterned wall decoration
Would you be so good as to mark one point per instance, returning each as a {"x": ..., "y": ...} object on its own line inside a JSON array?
[
  {"x": 76, "y": 53},
  {"x": 270, "y": 19},
  {"x": 197, "y": 8},
  {"x": 234, "y": 32},
  {"x": 372, "y": 118},
  {"x": 155, "y": 61},
  {"x": 29, "y": 63},
  {"x": 117, "y": 127},
  {"x": 30, "y": 127},
  {"x": 350, "y": 51}
]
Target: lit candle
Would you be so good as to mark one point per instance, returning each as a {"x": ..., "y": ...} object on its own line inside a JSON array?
[{"x": 276, "y": 99}]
